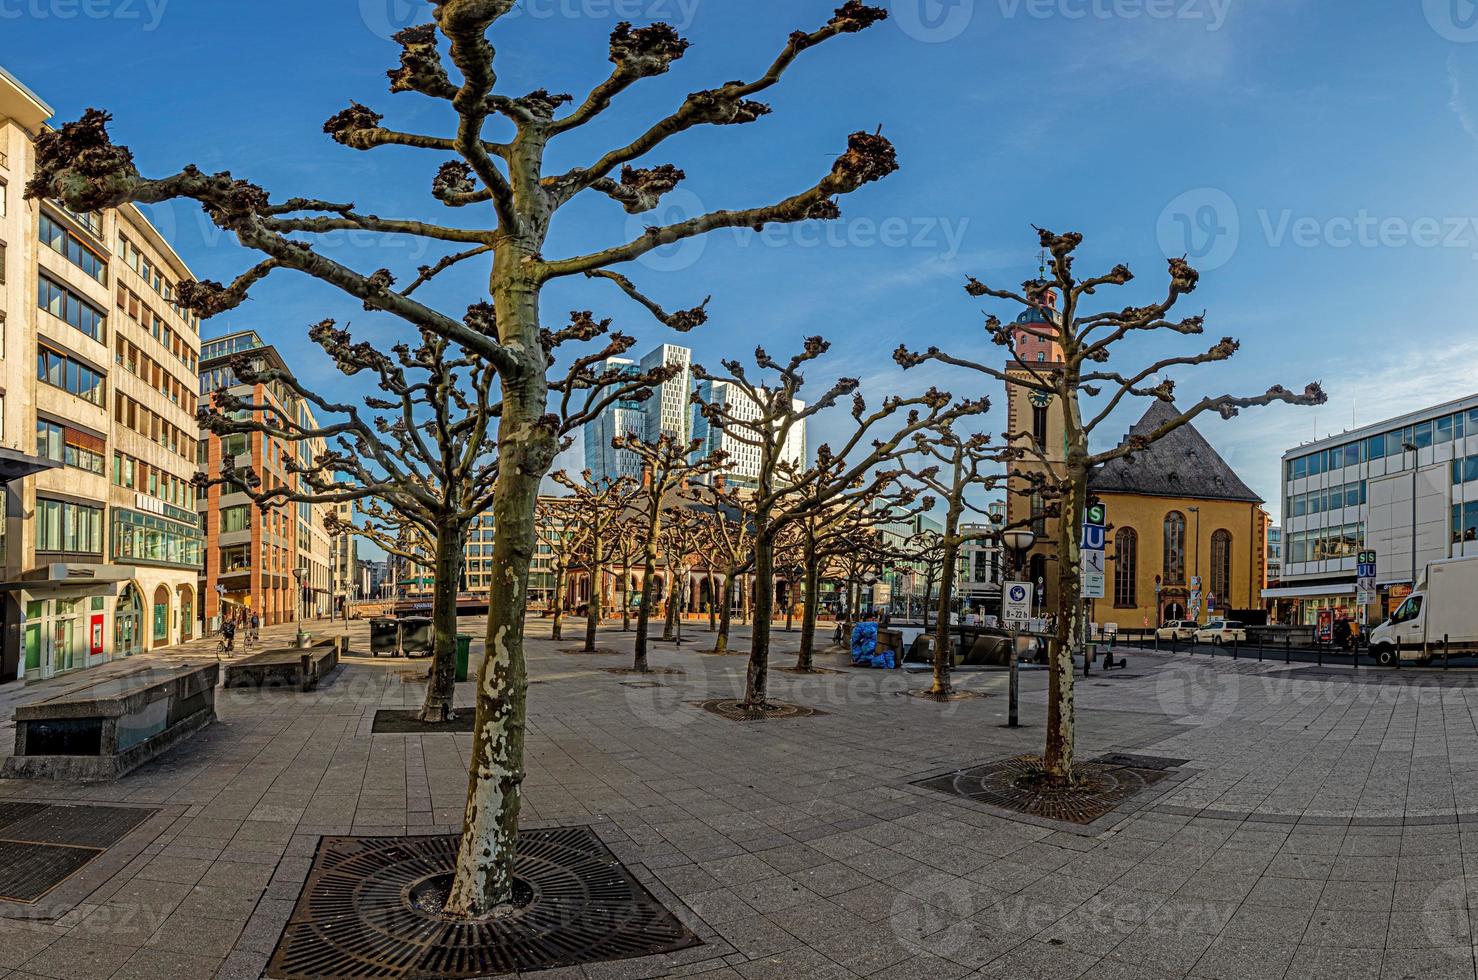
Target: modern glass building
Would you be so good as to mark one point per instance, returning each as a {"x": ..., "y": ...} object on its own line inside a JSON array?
[{"x": 1406, "y": 488}]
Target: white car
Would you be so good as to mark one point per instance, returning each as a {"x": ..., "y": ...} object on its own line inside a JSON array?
[
  {"x": 1177, "y": 629},
  {"x": 1220, "y": 631}
]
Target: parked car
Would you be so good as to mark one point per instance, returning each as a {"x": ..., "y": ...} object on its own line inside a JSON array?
[
  {"x": 1220, "y": 631},
  {"x": 1178, "y": 629}
]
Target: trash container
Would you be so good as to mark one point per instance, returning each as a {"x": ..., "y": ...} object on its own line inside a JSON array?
[
  {"x": 384, "y": 636},
  {"x": 415, "y": 636},
  {"x": 464, "y": 650}
]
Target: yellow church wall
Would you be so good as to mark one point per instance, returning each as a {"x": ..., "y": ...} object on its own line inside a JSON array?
[{"x": 1246, "y": 522}]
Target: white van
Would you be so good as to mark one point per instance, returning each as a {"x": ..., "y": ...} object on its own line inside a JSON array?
[{"x": 1445, "y": 607}]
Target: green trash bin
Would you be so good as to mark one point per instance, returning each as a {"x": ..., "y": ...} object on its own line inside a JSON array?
[{"x": 464, "y": 650}]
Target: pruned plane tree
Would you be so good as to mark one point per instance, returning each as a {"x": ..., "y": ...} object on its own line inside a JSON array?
[
  {"x": 1084, "y": 391},
  {"x": 492, "y": 170}
]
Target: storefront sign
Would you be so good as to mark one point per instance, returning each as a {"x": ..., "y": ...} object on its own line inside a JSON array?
[{"x": 97, "y": 636}]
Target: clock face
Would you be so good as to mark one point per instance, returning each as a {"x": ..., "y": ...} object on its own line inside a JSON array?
[{"x": 1041, "y": 399}]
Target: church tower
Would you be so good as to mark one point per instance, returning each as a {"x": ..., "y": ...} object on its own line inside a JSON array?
[{"x": 1035, "y": 422}]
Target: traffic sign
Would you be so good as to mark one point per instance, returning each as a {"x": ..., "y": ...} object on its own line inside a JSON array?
[
  {"x": 1095, "y": 514},
  {"x": 1016, "y": 603},
  {"x": 1365, "y": 591},
  {"x": 1094, "y": 537}
]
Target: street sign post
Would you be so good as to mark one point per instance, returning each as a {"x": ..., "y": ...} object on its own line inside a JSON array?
[
  {"x": 1095, "y": 540},
  {"x": 1016, "y": 604},
  {"x": 1365, "y": 591}
]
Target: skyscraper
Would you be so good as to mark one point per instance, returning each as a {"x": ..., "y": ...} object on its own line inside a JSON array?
[
  {"x": 666, "y": 412},
  {"x": 743, "y": 466}
]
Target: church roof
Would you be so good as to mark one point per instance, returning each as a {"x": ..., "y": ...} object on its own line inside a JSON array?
[{"x": 1182, "y": 464}]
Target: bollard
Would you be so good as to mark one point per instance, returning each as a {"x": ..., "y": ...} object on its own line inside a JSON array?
[
  {"x": 1319, "y": 647},
  {"x": 1012, "y": 691},
  {"x": 1398, "y": 651},
  {"x": 1259, "y": 645},
  {"x": 1236, "y": 648},
  {"x": 1355, "y": 657},
  {"x": 1444, "y": 651},
  {"x": 1287, "y": 646}
]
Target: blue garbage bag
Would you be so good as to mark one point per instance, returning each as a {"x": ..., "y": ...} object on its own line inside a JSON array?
[{"x": 865, "y": 651}]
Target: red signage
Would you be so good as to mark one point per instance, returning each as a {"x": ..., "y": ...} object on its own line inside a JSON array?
[
  {"x": 1326, "y": 624},
  {"x": 97, "y": 635}
]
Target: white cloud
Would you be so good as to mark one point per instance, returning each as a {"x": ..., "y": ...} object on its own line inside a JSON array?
[{"x": 1457, "y": 101}]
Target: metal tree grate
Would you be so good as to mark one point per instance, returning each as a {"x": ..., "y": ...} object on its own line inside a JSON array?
[
  {"x": 1017, "y": 784},
  {"x": 42, "y": 844},
  {"x": 29, "y": 871},
  {"x": 360, "y": 913},
  {"x": 735, "y": 710}
]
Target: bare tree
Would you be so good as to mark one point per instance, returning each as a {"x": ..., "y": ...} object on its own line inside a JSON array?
[
  {"x": 965, "y": 465},
  {"x": 598, "y": 507},
  {"x": 838, "y": 476},
  {"x": 666, "y": 465},
  {"x": 1084, "y": 342},
  {"x": 681, "y": 530},
  {"x": 564, "y": 537},
  {"x": 507, "y": 180},
  {"x": 424, "y": 474},
  {"x": 728, "y": 533}
]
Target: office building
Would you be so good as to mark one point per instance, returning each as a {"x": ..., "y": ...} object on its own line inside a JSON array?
[
  {"x": 101, "y": 545},
  {"x": 667, "y": 412},
  {"x": 742, "y": 466},
  {"x": 1405, "y": 488},
  {"x": 274, "y": 563}
]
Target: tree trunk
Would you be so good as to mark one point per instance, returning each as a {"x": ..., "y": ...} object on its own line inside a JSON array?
[
  {"x": 441, "y": 686},
  {"x": 526, "y": 446},
  {"x": 669, "y": 622},
  {"x": 1058, "y": 756},
  {"x": 625, "y": 593},
  {"x": 592, "y": 609},
  {"x": 726, "y": 615},
  {"x": 758, "y": 675},
  {"x": 559, "y": 601},
  {"x": 789, "y": 604},
  {"x": 806, "y": 659},
  {"x": 943, "y": 655},
  {"x": 712, "y": 601},
  {"x": 644, "y": 611}
]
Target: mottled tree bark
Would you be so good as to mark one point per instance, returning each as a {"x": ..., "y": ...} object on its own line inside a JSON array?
[
  {"x": 805, "y": 661},
  {"x": 441, "y": 685}
]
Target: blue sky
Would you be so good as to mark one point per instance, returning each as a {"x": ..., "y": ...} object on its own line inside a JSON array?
[{"x": 1316, "y": 159}]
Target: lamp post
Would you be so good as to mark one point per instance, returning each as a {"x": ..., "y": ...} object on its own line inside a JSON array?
[
  {"x": 1411, "y": 448},
  {"x": 302, "y": 637},
  {"x": 1018, "y": 542}
]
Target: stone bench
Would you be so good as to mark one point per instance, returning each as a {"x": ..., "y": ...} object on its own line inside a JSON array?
[
  {"x": 106, "y": 729},
  {"x": 288, "y": 667}
]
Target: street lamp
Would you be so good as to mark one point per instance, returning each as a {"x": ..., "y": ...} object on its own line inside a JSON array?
[
  {"x": 1197, "y": 573},
  {"x": 302, "y": 637},
  {"x": 1411, "y": 448}
]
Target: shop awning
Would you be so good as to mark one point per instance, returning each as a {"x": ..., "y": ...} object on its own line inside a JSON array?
[
  {"x": 1309, "y": 591},
  {"x": 16, "y": 465}
]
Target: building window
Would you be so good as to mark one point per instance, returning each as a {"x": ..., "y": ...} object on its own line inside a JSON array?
[
  {"x": 1221, "y": 567},
  {"x": 63, "y": 526},
  {"x": 1174, "y": 571},
  {"x": 61, "y": 241},
  {"x": 64, "y": 304},
  {"x": 1039, "y": 426},
  {"x": 236, "y": 518},
  {"x": 63, "y": 372},
  {"x": 1126, "y": 567}
]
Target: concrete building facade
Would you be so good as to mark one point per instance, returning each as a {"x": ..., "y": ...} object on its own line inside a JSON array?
[
  {"x": 1405, "y": 488},
  {"x": 274, "y": 563},
  {"x": 102, "y": 546}
]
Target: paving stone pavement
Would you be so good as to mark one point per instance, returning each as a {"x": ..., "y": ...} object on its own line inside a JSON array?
[{"x": 1322, "y": 826}]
